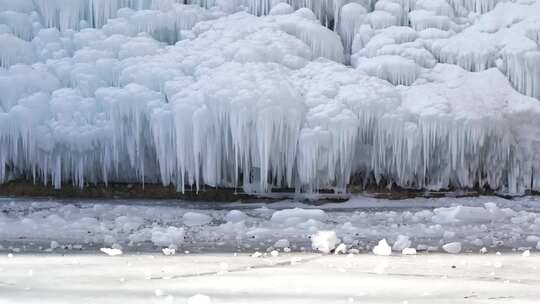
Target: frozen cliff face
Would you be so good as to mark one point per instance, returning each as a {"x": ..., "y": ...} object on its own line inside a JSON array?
[{"x": 205, "y": 93}]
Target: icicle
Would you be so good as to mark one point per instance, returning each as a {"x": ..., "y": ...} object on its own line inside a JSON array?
[
  {"x": 352, "y": 17},
  {"x": 14, "y": 50}
]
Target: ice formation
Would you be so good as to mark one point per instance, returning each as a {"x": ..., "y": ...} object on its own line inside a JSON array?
[{"x": 257, "y": 94}]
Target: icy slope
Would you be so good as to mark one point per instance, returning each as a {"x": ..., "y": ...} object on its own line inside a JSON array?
[{"x": 192, "y": 95}]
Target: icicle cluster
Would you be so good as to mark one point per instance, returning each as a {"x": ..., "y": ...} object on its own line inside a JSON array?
[{"x": 195, "y": 93}]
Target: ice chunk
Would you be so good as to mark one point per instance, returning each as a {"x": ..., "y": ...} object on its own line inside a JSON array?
[
  {"x": 169, "y": 251},
  {"x": 324, "y": 241},
  {"x": 161, "y": 236},
  {"x": 111, "y": 251},
  {"x": 454, "y": 247},
  {"x": 297, "y": 215},
  {"x": 408, "y": 251},
  {"x": 382, "y": 248},
  {"x": 196, "y": 219},
  {"x": 401, "y": 243},
  {"x": 341, "y": 249},
  {"x": 461, "y": 214},
  {"x": 283, "y": 243},
  {"x": 235, "y": 216},
  {"x": 54, "y": 245}
]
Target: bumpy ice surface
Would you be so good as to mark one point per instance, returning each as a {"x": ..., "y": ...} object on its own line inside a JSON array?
[{"x": 489, "y": 224}]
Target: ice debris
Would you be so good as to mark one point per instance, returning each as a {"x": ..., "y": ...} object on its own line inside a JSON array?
[
  {"x": 324, "y": 241},
  {"x": 382, "y": 248},
  {"x": 408, "y": 251},
  {"x": 454, "y": 247},
  {"x": 111, "y": 251}
]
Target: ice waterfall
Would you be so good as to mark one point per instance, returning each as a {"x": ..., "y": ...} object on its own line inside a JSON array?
[{"x": 255, "y": 94}]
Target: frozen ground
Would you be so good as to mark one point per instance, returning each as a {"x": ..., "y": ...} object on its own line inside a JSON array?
[
  {"x": 288, "y": 278},
  {"x": 360, "y": 223}
]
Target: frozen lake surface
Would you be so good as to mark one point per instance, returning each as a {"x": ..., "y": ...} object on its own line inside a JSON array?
[{"x": 288, "y": 278}]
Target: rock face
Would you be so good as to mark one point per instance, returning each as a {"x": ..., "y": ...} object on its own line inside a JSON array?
[{"x": 122, "y": 191}]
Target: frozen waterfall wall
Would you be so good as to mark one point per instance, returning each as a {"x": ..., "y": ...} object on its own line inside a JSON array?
[{"x": 194, "y": 93}]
